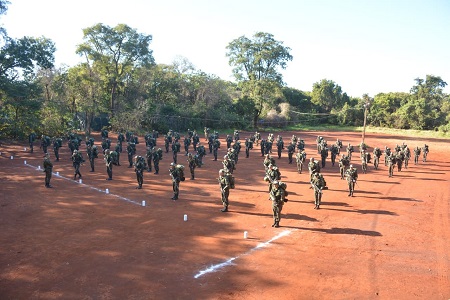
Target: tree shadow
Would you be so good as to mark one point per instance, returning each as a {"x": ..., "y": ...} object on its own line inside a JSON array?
[{"x": 336, "y": 230}]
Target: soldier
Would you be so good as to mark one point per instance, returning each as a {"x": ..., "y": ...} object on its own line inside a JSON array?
[
  {"x": 187, "y": 143},
  {"x": 318, "y": 184},
  {"x": 131, "y": 151},
  {"x": 45, "y": 142},
  {"x": 313, "y": 167},
  {"x": 201, "y": 152},
  {"x": 195, "y": 140},
  {"x": 225, "y": 185},
  {"x": 294, "y": 139},
  {"x": 236, "y": 150},
  {"x": 338, "y": 145},
  {"x": 149, "y": 156},
  {"x": 417, "y": 151},
  {"x": 117, "y": 150},
  {"x": 425, "y": 151},
  {"x": 229, "y": 140},
  {"x": 57, "y": 143},
  {"x": 176, "y": 175},
  {"x": 387, "y": 154},
  {"x": 364, "y": 161},
  {"x": 192, "y": 165},
  {"x": 323, "y": 154},
  {"x": 280, "y": 145},
  {"x": 350, "y": 150},
  {"x": 407, "y": 156},
  {"x": 216, "y": 146},
  {"x": 291, "y": 150},
  {"x": 228, "y": 164},
  {"x": 257, "y": 137},
  {"x": 399, "y": 158},
  {"x": 206, "y": 131},
  {"x": 268, "y": 160},
  {"x": 104, "y": 133},
  {"x": 166, "y": 143},
  {"x": 139, "y": 167},
  {"x": 269, "y": 143},
  {"x": 157, "y": 156},
  {"x": 48, "y": 167},
  {"x": 248, "y": 146},
  {"x": 376, "y": 157},
  {"x": 236, "y": 135},
  {"x": 343, "y": 163},
  {"x": 362, "y": 147},
  {"x": 334, "y": 150},
  {"x": 351, "y": 175},
  {"x": 277, "y": 195},
  {"x": 272, "y": 174},
  {"x": 319, "y": 143},
  {"x": 176, "y": 147},
  {"x": 77, "y": 159},
  {"x": 263, "y": 147},
  {"x": 300, "y": 158},
  {"x": 391, "y": 164},
  {"x": 300, "y": 144},
  {"x": 31, "y": 139},
  {"x": 92, "y": 153},
  {"x": 120, "y": 140},
  {"x": 109, "y": 163}
]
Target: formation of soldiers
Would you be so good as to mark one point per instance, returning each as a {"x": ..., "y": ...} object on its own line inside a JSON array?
[{"x": 194, "y": 151}]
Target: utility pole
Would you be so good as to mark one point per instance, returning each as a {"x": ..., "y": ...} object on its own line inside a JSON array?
[{"x": 366, "y": 107}]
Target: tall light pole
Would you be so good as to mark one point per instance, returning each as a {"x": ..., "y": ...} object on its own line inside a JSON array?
[{"x": 366, "y": 107}]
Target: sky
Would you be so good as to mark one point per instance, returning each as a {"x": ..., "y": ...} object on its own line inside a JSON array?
[{"x": 364, "y": 46}]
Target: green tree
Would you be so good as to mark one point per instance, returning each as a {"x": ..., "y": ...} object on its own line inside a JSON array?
[
  {"x": 116, "y": 52},
  {"x": 328, "y": 95},
  {"x": 255, "y": 65}
]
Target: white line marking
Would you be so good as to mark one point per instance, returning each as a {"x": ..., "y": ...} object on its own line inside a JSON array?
[
  {"x": 228, "y": 262},
  {"x": 91, "y": 187}
]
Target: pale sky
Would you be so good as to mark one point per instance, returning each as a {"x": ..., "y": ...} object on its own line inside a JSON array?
[{"x": 365, "y": 46}]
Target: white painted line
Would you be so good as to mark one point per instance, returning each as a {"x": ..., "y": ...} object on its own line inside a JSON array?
[
  {"x": 89, "y": 186},
  {"x": 228, "y": 262}
]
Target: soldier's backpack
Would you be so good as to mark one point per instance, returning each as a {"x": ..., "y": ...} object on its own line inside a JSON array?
[
  {"x": 284, "y": 187},
  {"x": 160, "y": 153},
  {"x": 180, "y": 169},
  {"x": 136, "y": 140},
  {"x": 230, "y": 179},
  {"x": 95, "y": 152}
]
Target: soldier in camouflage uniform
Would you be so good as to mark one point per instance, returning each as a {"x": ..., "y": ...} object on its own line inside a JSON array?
[
  {"x": 224, "y": 184},
  {"x": 131, "y": 151},
  {"x": 391, "y": 164},
  {"x": 31, "y": 139},
  {"x": 48, "y": 168},
  {"x": 300, "y": 158},
  {"x": 187, "y": 143},
  {"x": 376, "y": 157},
  {"x": 334, "y": 150},
  {"x": 318, "y": 184},
  {"x": 109, "y": 163},
  {"x": 417, "y": 151},
  {"x": 201, "y": 152},
  {"x": 92, "y": 153},
  {"x": 248, "y": 146},
  {"x": 216, "y": 146},
  {"x": 192, "y": 165},
  {"x": 157, "y": 156},
  {"x": 57, "y": 143},
  {"x": 280, "y": 145},
  {"x": 343, "y": 163},
  {"x": 277, "y": 196},
  {"x": 291, "y": 150},
  {"x": 139, "y": 167},
  {"x": 229, "y": 140},
  {"x": 77, "y": 159},
  {"x": 351, "y": 175},
  {"x": 176, "y": 178},
  {"x": 149, "y": 156}
]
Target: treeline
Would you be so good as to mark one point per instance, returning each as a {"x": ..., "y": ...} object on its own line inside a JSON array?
[{"x": 121, "y": 87}]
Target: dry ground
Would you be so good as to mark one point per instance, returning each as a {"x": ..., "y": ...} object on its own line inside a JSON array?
[{"x": 390, "y": 241}]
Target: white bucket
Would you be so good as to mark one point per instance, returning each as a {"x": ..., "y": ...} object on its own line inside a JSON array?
[{"x": 185, "y": 218}]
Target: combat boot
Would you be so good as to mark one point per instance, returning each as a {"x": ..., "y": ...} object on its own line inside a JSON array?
[
  {"x": 225, "y": 209},
  {"x": 277, "y": 224}
]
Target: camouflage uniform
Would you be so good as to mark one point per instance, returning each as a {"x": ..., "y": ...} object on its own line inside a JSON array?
[
  {"x": 351, "y": 175},
  {"x": 77, "y": 159},
  {"x": 277, "y": 197},
  {"x": 48, "y": 167},
  {"x": 224, "y": 183},
  {"x": 139, "y": 167}
]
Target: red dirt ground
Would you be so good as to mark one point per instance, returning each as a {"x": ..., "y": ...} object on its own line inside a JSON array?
[{"x": 390, "y": 241}]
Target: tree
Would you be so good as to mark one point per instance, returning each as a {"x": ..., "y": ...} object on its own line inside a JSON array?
[
  {"x": 328, "y": 95},
  {"x": 255, "y": 65},
  {"x": 116, "y": 52}
]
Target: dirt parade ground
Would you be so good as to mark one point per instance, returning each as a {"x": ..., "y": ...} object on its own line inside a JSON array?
[{"x": 78, "y": 241}]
